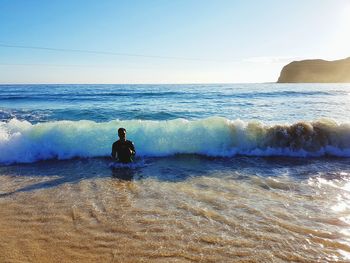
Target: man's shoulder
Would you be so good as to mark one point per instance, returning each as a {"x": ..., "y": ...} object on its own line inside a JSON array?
[
  {"x": 116, "y": 143},
  {"x": 123, "y": 142}
]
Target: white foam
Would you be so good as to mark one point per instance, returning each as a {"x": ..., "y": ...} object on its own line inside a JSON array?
[{"x": 21, "y": 141}]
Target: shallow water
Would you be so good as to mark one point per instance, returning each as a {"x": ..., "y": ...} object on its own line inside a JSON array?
[
  {"x": 178, "y": 209},
  {"x": 203, "y": 188}
]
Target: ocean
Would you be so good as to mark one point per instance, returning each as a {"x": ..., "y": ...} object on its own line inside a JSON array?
[{"x": 223, "y": 173}]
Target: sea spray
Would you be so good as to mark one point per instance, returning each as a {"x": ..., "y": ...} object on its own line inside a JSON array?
[{"x": 21, "y": 141}]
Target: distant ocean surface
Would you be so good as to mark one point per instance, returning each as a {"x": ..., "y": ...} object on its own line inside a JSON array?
[
  {"x": 267, "y": 103},
  {"x": 251, "y": 172}
]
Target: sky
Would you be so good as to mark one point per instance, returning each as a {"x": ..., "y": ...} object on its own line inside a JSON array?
[{"x": 166, "y": 41}]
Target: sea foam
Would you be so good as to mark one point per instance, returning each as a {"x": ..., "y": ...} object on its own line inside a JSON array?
[{"x": 23, "y": 142}]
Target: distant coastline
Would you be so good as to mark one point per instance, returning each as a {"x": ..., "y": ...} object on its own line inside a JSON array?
[{"x": 316, "y": 71}]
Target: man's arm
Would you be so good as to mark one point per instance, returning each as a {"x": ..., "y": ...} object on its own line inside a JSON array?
[
  {"x": 132, "y": 148},
  {"x": 114, "y": 151}
]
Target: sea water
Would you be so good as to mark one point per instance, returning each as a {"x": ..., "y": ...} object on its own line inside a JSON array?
[{"x": 224, "y": 172}]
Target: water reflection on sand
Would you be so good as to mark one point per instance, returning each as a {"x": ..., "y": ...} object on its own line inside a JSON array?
[{"x": 176, "y": 209}]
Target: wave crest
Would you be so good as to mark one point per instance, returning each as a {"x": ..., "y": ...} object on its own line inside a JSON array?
[{"x": 21, "y": 141}]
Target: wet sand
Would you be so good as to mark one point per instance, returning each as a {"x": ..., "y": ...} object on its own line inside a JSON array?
[{"x": 223, "y": 216}]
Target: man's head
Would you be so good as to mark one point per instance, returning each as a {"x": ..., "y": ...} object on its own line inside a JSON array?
[{"x": 122, "y": 133}]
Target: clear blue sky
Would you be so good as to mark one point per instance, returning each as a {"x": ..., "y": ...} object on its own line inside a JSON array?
[{"x": 234, "y": 41}]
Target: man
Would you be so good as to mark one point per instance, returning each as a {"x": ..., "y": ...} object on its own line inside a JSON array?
[{"x": 123, "y": 150}]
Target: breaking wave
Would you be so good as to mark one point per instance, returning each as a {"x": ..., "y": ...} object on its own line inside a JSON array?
[{"x": 22, "y": 142}]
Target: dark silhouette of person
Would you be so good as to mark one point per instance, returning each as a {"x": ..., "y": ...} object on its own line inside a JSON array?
[{"x": 123, "y": 150}]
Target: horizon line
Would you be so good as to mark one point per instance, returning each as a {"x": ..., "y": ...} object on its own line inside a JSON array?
[{"x": 180, "y": 83}]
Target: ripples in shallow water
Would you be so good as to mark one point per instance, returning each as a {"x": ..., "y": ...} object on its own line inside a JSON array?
[{"x": 178, "y": 209}]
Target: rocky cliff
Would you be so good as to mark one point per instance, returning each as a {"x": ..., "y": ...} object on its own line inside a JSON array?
[{"x": 316, "y": 71}]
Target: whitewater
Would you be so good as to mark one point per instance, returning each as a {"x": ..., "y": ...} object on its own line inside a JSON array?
[
  {"x": 21, "y": 141},
  {"x": 223, "y": 172}
]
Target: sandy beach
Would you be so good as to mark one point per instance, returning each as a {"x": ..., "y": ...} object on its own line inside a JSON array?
[{"x": 220, "y": 217}]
